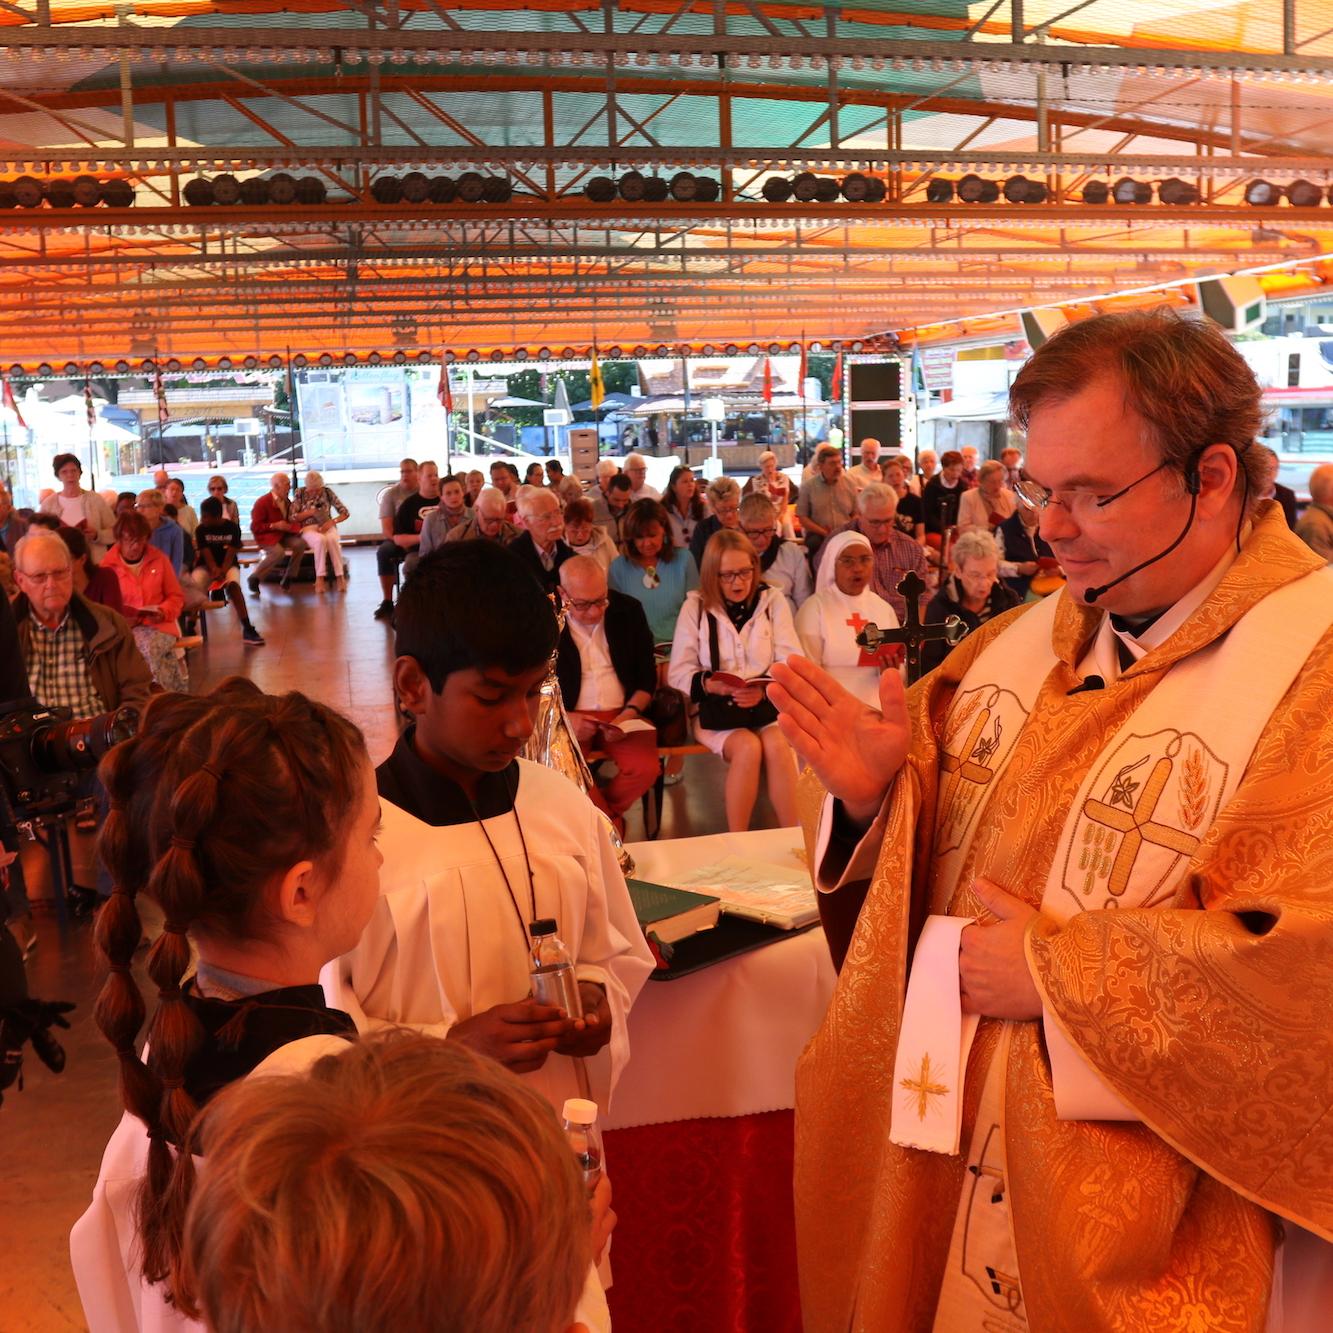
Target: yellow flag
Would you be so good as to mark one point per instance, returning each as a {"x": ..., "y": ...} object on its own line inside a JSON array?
[{"x": 597, "y": 390}]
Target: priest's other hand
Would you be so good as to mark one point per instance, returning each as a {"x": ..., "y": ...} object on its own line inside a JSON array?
[
  {"x": 593, "y": 1030},
  {"x": 993, "y": 972},
  {"x": 854, "y": 751},
  {"x": 520, "y": 1036}
]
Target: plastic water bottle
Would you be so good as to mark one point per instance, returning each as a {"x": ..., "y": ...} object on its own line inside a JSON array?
[
  {"x": 553, "y": 977},
  {"x": 585, "y": 1138}
]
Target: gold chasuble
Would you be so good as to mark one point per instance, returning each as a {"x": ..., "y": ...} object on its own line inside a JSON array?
[{"x": 1208, "y": 1013}]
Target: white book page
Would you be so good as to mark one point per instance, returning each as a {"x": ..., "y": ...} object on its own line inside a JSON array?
[{"x": 779, "y": 895}]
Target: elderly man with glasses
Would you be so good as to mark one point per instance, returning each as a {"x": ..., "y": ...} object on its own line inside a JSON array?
[
  {"x": 607, "y": 677},
  {"x": 77, "y": 655}
]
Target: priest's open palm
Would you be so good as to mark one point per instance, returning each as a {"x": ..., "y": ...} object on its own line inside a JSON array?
[{"x": 854, "y": 751}]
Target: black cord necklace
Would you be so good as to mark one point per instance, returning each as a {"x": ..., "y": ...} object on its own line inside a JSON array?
[{"x": 527, "y": 861}]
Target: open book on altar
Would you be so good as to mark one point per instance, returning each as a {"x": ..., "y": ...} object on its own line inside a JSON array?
[{"x": 774, "y": 895}]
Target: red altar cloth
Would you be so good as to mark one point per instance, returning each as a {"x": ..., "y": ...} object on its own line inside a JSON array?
[{"x": 706, "y": 1239}]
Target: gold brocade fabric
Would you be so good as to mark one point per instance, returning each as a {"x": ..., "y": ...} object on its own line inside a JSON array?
[{"x": 1215, "y": 1025}]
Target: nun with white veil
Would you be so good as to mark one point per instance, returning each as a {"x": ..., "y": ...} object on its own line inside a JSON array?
[{"x": 841, "y": 606}]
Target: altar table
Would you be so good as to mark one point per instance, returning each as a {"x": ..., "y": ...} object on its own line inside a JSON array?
[{"x": 699, "y": 1134}]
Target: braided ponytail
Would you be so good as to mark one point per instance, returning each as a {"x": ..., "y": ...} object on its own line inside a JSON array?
[{"x": 295, "y": 766}]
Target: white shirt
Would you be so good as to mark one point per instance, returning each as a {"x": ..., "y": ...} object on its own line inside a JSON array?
[
  {"x": 72, "y": 511},
  {"x": 601, "y": 688}
]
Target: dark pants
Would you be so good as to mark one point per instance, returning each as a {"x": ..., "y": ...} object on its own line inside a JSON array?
[{"x": 388, "y": 556}]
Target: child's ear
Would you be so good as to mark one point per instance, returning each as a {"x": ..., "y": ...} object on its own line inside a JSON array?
[{"x": 410, "y": 685}]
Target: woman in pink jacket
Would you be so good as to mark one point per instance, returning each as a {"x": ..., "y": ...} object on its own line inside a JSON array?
[{"x": 153, "y": 599}]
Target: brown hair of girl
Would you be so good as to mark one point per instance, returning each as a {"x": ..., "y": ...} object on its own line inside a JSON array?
[{"x": 213, "y": 797}]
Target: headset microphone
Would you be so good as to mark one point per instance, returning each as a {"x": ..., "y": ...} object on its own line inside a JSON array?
[{"x": 1193, "y": 485}]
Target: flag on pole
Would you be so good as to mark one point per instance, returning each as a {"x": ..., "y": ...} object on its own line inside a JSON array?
[
  {"x": 768, "y": 380},
  {"x": 837, "y": 379},
  {"x": 443, "y": 391},
  {"x": 8, "y": 398},
  {"x": 160, "y": 393},
  {"x": 803, "y": 370},
  {"x": 89, "y": 407},
  {"x": 596, "y": 389}
]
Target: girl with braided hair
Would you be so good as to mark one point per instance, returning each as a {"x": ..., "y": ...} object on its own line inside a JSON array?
[{"x": 251, "y": 820}]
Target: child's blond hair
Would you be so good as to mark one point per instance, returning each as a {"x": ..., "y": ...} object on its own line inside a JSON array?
[{"x": 404, "y": 1185}]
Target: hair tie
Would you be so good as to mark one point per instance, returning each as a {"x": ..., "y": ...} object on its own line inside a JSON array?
[
  {"x": 123, "y": 969},
  {"x": 211, "y": 771},
  {"x": 184, "y": 844},
  {"x": 174, "y": 927},
  {"x": 171, "y": 1083}
]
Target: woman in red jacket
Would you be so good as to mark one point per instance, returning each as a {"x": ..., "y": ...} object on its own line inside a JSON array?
[{"x": 153, "y": 599}]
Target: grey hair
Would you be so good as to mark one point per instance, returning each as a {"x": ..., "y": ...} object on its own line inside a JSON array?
[
  {"x": 974, "y": 545},
  {"x": 723, "y": 488},
  {"x": 40, "y": 537},
  {"x": 758, "y": 505},
  {"x": 876, "y": 492}
]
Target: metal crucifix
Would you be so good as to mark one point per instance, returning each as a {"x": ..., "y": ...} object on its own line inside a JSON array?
[{"x": 913, "y": 634}]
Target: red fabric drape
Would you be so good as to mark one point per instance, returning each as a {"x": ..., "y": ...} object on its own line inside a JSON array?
[{"x": 706, "y": 1240}]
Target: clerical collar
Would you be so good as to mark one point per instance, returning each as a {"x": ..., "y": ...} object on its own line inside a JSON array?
[{"x": 406, "y": 780}]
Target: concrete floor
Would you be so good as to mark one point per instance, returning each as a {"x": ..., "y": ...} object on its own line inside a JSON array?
[{"x": 53, "y": 1132}]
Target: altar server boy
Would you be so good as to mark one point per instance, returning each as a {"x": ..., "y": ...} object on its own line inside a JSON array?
[{"x": 479, "y": 843}]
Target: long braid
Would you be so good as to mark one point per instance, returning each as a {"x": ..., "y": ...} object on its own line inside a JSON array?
[{"x": 293, "y": 765}]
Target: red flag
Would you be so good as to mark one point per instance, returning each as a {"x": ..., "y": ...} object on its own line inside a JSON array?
[
  {"x": 8, "y": 398},
  {"x": 89, "y": 407},
  {"x": 803, "y": 370},
  {"x": 443, "y": 390},
  {"x": 768, "y": 380},
  {"x": 837, "y": 379}
]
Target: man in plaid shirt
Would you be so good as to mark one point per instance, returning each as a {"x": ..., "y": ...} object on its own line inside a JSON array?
[{"x": 78, "y": 655}]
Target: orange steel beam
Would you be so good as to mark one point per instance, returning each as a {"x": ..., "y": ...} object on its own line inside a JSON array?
[
  {"x": 501, "y": 82},
  {"x": 103, "y": 12}
]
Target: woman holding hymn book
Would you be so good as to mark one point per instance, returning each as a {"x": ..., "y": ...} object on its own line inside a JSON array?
[{"x": 729, "y": 633}]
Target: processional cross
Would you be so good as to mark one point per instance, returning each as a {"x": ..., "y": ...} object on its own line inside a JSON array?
[{"x": 912, "y": 634}]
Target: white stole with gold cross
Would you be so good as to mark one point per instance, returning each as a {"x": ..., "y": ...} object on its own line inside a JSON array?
[{"x": 1138, "y": 818}]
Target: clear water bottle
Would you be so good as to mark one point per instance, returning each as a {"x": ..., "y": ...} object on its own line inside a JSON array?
[
  {"x": 553, "y": 977},
  {"x": 585, "y": 1138}
]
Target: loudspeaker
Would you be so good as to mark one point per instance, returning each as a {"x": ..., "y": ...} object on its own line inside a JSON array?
[
  {"x": 1038, "y": 325},
  {"x": 875, "y": 390},
  {"x": 1236, "y": 303}
]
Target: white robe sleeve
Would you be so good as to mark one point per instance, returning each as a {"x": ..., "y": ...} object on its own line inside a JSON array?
[{"x": 612, "y": 951}]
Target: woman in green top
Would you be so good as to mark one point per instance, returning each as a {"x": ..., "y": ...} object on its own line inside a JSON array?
[{"x": 651, "y": 569}]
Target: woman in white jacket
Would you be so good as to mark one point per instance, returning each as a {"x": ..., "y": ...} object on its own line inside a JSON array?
[
  {"x": 842, "y": 605},
  {"x": 728, "y": 634}
]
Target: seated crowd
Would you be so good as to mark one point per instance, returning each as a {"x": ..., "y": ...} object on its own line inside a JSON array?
[{"x": 367, "y": 947}]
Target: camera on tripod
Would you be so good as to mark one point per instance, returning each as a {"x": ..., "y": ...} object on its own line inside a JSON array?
[{"x": 45, "y": 754}]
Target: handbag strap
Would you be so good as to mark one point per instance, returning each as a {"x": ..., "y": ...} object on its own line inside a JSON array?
[{"x": 714, "y": 654}]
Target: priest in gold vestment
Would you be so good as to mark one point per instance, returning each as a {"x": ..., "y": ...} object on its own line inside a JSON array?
[{"x": 1077, "y": 1073}]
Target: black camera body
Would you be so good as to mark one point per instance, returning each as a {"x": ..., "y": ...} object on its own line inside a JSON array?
[{"x": 44, "y": 754}]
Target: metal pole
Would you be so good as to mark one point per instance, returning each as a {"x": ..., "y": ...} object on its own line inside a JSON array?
[{"x": 471, "y": 427}]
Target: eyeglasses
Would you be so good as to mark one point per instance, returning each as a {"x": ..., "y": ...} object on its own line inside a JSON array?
[
  {"x": 757, "y": 533},
  {"x": 49, "y": 576},
  {"x": 1036, "y": 496},
  {"x": 735, "y": 575},
  {"x": 593, "y": 604}
]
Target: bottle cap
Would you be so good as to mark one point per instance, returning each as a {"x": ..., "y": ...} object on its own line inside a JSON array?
[
  {"x": 579, "y": 1111},
  {"x": 542, "y": 926}
]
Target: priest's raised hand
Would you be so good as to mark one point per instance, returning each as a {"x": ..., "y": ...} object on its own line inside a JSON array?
[
  {"x": 519, "y": 1035},
  {"x": 854, "y": 751}
]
